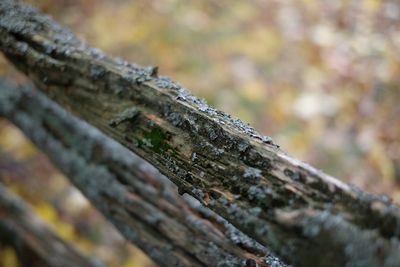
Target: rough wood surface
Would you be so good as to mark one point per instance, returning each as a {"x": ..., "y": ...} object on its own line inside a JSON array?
[
  {"x": 304, "y": 215},
  {"x": 36, "y": 245},
  {"x": 142, "y": 204}
]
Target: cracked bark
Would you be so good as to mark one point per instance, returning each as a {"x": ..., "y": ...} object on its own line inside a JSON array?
[
  {"x": 305, "y": 216},
  {"x": 36, "y": 245},
  {"x": 143, "y": 205}
]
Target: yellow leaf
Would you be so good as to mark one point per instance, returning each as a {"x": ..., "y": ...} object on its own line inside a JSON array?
[{"x": 8, "y": 258}]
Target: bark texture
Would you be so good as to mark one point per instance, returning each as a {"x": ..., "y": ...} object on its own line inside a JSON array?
[
  {"x": 36, "y": 244},
  {"x": 305, "y": 216},
  {"x": 144, "y": 206}
]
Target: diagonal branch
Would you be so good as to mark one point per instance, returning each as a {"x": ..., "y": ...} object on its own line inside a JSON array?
[
  {"x": 141, "y": 203},
  {"x": 304, "y": 215},
  {"x": 36, "y": 244}
]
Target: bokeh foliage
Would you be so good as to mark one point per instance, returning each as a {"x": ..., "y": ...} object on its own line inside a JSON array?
[{"x": 321, "y": 77}]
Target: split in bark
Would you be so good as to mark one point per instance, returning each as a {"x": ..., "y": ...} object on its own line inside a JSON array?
[{"x": 304, "y": 215}]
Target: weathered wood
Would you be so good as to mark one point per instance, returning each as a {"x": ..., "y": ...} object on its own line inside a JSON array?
[
  {"x": 36, "y": 245},
  {"x": 304, "y": 215},
  {"x": 142, "y": 204}
]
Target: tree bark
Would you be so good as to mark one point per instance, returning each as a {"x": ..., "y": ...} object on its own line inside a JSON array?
[
  {"x": 305, "y": 216},
  {"x": 142, "y": 204},
  {"x": 35, "y": 244}
]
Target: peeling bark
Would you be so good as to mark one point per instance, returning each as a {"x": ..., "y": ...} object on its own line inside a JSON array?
[
  {"x": 36, "y": 245},
  {"x": 144, "y": 206},
  {"x": 305, "y": 216}
]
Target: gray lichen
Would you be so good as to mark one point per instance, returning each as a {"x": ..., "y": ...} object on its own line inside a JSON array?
[
  {"x": 228, "y": 152},
  {"x": 127, "y": 115},
  {"x": 252, "y": 175}
]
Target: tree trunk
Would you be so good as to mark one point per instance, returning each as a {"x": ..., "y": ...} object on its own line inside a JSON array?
[
  {"x": 35, "y": 244},
  {"x": 142, "y": 204},
  {"x": 305, "y": 216}
]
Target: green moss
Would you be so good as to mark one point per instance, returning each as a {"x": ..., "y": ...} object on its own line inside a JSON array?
[{"x": 157, "y": 140}]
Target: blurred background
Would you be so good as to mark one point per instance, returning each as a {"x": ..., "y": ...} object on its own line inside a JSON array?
[{"x": 320, "y": 77}]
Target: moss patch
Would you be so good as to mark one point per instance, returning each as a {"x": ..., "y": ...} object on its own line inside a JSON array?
[{"x": 156, "y": 140}]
